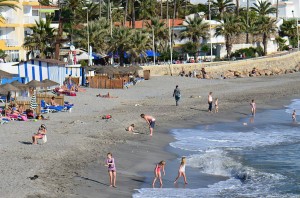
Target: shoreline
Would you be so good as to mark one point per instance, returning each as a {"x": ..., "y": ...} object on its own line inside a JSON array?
[
  {"x": 71, "y": 162},
  {"x": 167, "y": 154}
]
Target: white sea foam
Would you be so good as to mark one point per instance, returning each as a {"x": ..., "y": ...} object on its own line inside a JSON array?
[
  {"x": 212, "y": 151},
  {"x": 295, "y": 105}
]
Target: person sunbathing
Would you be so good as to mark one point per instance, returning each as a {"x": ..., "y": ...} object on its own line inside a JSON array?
[
  {"x": 40, "y": 134},
  {"x": 106, "y": 96},
  {"x": 52, "y": 102}
]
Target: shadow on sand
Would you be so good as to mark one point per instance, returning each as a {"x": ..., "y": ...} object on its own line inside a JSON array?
[
  {"x": 88, "y": 179},
  {"x": 26, "y": 143}
]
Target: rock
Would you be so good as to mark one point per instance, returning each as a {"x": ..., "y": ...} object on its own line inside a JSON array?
[{"x": 237, "y": 73}]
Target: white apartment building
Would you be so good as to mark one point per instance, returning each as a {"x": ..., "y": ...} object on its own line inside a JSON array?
[
  {"x": 17, "y": 26},
  {"x": 285, "y": 7}
]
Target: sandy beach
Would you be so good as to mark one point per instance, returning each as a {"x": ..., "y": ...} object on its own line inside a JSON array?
[{"x": 71, "y": 163}]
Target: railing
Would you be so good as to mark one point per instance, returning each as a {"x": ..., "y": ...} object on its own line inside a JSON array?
[
  {"x": 10, "y": 20},
  {"x": 11, "y": 42}
]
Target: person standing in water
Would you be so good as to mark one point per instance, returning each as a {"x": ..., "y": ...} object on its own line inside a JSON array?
[
  {"x": 210, "y": 101},
  {"x": 110, "y": 163},
  {"x": 157, "y": 172},
  {"x": 294, "y": 115},
  {"x": 150, "y": 121},
  {"x": 181, "y": 171},
  {"x": 216, "y": 105},
  {"x": 253, "y": 107},
  {"x": 177, "y": 94}
]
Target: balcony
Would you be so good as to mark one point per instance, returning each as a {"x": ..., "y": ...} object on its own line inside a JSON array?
[
  {"x": 31, "y": 19},
  {"x": 11, "y": 42},
  {"x": 11, "y": 20}
]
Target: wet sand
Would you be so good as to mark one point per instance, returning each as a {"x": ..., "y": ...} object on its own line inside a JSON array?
[{"x": 71, "y": 163}]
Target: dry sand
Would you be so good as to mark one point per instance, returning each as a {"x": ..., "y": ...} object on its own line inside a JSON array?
[{"x": 71, "y": 163}]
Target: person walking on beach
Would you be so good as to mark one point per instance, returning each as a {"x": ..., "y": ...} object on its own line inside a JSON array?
[
  {"x": 157, "y": 172},
  {"x": 181, "y": 171},
  {"x": 177, "y": 94},
  {"x": 216, "y": 105},
  {"x": 150, "y": 121},
  {"x": 294, "y": 116},
  {"x": 210, "y": 101},
  {"x": 112, "y": 172},
  {"x": 253, "y": 107}
]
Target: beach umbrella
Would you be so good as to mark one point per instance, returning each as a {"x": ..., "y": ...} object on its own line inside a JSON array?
[
  {"x": 4, "y": 74},
  {"x": 35, "y": 84},
  {"x": 33, "y": 103},
  {"x": 3, "y": 91},
  {"x": 9, "y": 87},
  {"x": 19, "y": 85},
  {"x": 49, "y": 83}
]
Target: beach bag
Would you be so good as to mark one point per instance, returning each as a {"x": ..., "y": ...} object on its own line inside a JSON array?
[{"x": 44, "y": 139}]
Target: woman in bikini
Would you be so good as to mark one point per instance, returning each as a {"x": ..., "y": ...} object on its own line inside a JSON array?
[
  {"x": 110, "y": 163},
  {"x": 157, "y": 172},
  {"x": 181, "y": 171},
  {"x": 40, "y": 134}
]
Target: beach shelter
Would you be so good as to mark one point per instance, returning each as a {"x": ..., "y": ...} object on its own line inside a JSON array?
[
  {"x": 40, "y": 69},
  {"x": 19, "y": 85},
  {"x": 10, "y": 87},
  {"x": 35, "y": 84},
  {"x": 49, "y": 83}
]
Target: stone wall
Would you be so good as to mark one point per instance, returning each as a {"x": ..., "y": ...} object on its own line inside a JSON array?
[{"x": 275, "y": 65}]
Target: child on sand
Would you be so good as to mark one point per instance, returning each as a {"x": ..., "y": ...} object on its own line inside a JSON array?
[
  {"x": 181, "y": 171},
  {"x": 216, "y": 105},
  {"x": 157, "y": 172},
  {"x": 110, "y": 163},
  {"x": 130, "y": 128},
  {"x": 40, "y": 134},
  {"x": 294, "y": 116},
  {"x": 253, "y": 107}
]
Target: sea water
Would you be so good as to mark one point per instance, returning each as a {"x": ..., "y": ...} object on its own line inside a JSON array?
[{"x": 259, "y": 156}]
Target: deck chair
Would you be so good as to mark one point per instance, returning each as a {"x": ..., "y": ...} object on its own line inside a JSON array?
[
  {"x": 49, "y": 108},
  {"x": 68, "y": 106}
]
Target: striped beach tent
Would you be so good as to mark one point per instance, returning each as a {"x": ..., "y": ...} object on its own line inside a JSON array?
[{"x": 33, "y": 104}]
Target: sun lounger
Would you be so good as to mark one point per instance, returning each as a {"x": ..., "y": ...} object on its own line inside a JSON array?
[{"x": 49, "y": 108}]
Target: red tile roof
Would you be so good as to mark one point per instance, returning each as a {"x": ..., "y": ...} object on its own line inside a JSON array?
[
  {"x": 45, "y": 7},
  {"x": 139, "y": 24}
]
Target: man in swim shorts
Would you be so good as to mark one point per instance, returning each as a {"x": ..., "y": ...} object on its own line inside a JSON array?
[{"x": 150, "y": 121}]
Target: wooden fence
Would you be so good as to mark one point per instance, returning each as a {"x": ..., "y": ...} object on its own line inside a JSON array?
[
  {"x": 103, "y": 82},
  {"x": 58, "y": 99}
]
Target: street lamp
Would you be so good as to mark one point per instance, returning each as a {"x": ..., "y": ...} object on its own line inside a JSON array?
[
  {"x": 153, "y": 43},
  {"x": 210, "y": 37},
  {"x": 110, "y": 15},
  {"x": 297, "y": 30},
  {"x": 88, "y": 34}
]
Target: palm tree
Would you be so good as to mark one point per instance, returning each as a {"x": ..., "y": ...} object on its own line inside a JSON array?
[
  {"x": 248, "y": 24},
  {"x": 229, "y": 28},
  {"x": 266, "y": 27},
  {"x": 288, "y": 28},
  {"x": 196, "y": 29},
  {"x": 120, "y": 42},
  {"x": 263, "y": 8},
  {"x": 222, "y": 6},
  {"x": 99, "y": 33},
  {"x": 140, "y": 44},
  {"x": 158, "y": 27},
  {"x": 9, "y": 4},
  {"x": 146, "y": 10},
  {"x": 42, "y": 38},
  {"x": 237, "y": 4}
]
